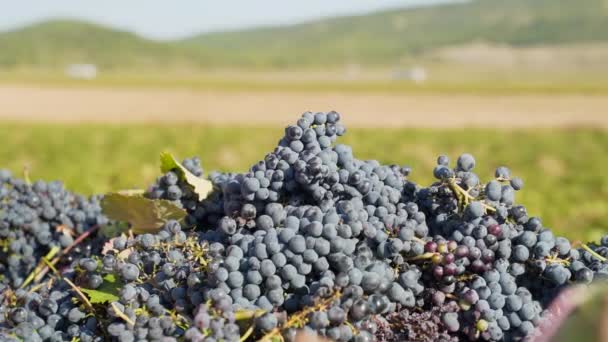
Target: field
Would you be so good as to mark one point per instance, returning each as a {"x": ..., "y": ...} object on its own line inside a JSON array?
[
  {"x": 563, "y": 168},
  {"x": 170, "y": 106}
]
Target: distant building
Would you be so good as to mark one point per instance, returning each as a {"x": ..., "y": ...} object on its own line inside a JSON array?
[
  {"x": 81, "y": 71},
  {"x": 415, "y": 74}
]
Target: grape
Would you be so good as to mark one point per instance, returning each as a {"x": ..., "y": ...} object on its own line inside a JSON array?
[
  {"x": 584, "y": 275},
  {"x": 267, "y": 268},
  {"x": 443, "y": 160},
  {"x": 18, "y": 315},
  {"x": 129, "y": 272},
  {"x": 128, "y": 293},
  {"x": 517, "y": 183},
  {"x": 458, "y": 258},
  {"x": 521, "y": 253},
  {"x": 288, "y": 272},
  {"x": 251, "y": 291},
  {"x": 466, "y": 162},
  {"x": 359, "y": 310},
  {"x": 319, "y": 320},
  {"x": 266, "y": 322},
  {"x": 493, "y": 190},
  {"x": 75, "y": 315},
  {"x": 471, "y": 297},
  {"x": 450, "y": 319},
  {"x": 526, "y": 328},
  {"x": 228, "y": 225},
  {"x": 526, "y": 312},
  {"x": 475, "y": 209},
  {"x": 502, "y": 172},
  {"x": 557, "y": 274},
  {"x": 235, "y": 279},
  {"x": 297, "y": 244}
]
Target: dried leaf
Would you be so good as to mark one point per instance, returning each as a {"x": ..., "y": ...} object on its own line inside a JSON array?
[
  {"x": 202, "y": 187},
  {"x": 144, "y": 215}
]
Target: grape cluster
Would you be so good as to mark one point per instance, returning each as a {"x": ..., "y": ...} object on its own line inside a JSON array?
[
  {"x": 35, "y": 218},
  {"x": 309, "y": 238},
  {"x": 158, "y": 281}
]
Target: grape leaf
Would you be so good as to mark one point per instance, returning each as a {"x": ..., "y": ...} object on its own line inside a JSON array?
[
  {"x": 113, "y": 229},
  {"x": 107, "y": 292},
  {"x": 132, "y": 192},
  {"x": 202, "y": 187},
  {"x": 144, "y": 215}
]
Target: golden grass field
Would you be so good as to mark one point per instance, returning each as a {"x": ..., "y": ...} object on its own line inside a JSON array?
[{"x": 132, "y": 105}]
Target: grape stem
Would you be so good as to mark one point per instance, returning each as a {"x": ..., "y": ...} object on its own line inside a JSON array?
[
  {"x": 40, "y": 266},
  {"x": 592, "y": 252},
  {"x": 554, "y": 259},
  {"x": 463, "y": 196},
  {"x": 247, "y": 333},
  {"x": 417, "y": 239},
  {"x": 424, "y": 256},
  {"x": 122, "y": 314},
  {"x": 84, "y": 298},
  {"x": 41, "y": 271},
  {"x": 300, "y": 318}
]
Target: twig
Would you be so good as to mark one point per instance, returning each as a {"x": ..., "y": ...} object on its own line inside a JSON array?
[
  {"x": 65, "y": 251},
  {"x": 81, "y": 295},
  {"x": 39, "y": 267},
  {"x": 417, "y": 239},
  {"x": 298, "y": 319},
  {"x": 247, "y": 333},
  {"x": 241, "y": 315},
  {"x": 121, "y": 314},
  {"x": 463, "y": 196},
  {"x": 594, "y": 253}
]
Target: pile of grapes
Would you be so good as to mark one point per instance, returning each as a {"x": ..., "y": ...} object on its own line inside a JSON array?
[{"x": 309, "y": 240}]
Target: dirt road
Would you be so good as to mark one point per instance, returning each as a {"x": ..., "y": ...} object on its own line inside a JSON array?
[{"x": 26, "y": 103}]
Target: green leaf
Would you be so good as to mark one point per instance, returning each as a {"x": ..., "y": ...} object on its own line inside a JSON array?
[
  {"x": 202, "y": 187},
  {"x": 113, "y": 229},
  {"x": 144, "y": 215},
  {"x": 107, "y": 292}
]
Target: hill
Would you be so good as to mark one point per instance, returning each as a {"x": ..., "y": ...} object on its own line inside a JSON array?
[
  {"x": 60, "y": 42},
  {"x": 386, "y": 37},
  {"x": 382, "y": 38}
]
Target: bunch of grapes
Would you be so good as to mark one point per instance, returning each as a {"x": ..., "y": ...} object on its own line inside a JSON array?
[
  {"x": 38, "y": 218},
  {"x": 310, "y": 238}
]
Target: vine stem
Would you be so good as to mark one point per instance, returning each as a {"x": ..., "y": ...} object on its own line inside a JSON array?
[
  {"x": 592, "y": 252},
  {"x": 41, "y": 265},
  {"x": 43, "y": 268},
  {"x": 81, "y": 295},
  {"x": 122, "y": 314},
  {"x": 417, "y": 239},
  {"x": 424, "y": 256},
  {"x": 296, "y": 319},
  {"x": 464, "y": 196}
]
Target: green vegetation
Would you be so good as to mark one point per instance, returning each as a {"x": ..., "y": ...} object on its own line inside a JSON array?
[
  {"x": 59, "y": 43},
  {"x": 383, "y": 38},
  {"x": 563, "y": 170},
  {"x": 444, "y": 80}
]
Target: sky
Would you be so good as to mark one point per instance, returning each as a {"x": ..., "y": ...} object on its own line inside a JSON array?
[{"x": 162, "y": 19}]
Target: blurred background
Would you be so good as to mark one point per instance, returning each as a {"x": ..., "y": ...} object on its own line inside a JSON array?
[{"x": 91, "y": 93}]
